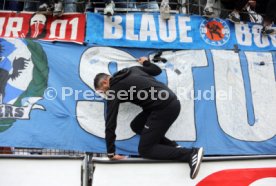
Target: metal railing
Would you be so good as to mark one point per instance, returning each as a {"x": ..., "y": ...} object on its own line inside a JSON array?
[
  {"x": 38, "y": 151},
  {"x": 177, "y": 6},
  {"x": 96, "y": 5}
]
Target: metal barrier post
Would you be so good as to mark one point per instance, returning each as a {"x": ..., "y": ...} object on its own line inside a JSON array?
[
  {"x": 182, "y": 7},
  {"x": 199, "y": 7},
  {"x": 188, "y": 7},
  {"x": 24, "y": 5},
  {"x": 4, "y": 5},
  {"x": 85, "y": 169},
  {"x": 127, "y": 5}
]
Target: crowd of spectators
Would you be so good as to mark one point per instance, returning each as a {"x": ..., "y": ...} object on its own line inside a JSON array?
[{"x": 258, "y": 11}]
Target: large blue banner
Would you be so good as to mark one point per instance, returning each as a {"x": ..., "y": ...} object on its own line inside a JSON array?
[
  {"x": 179, "y": 32},
  {"x": 48, "y": 100}
]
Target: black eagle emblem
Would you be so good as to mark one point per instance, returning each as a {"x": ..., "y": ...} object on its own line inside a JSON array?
[{"x": 18, "y": 65}]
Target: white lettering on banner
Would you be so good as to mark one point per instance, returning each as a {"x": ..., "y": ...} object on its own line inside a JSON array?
[
  {"x": 168, "y": 30},
  {"x": 94, "y": 61},
  {"x": 232, "y": 114},
  {"x": 260, "y": 39},
  {"x": 130, "y": 35},
  {"x": 97, "y": 60},
  {"x": 2, "y": 21},
  {"x": 183, "y": 128},
  {"x": 273, "y": 39},
  {"x": 148, "y": 28},
  {"x": 74, "y": 23},
  {"x": 247, "y": 37},
  {"x": 14, "y": 26},
  {"x": 62, "y": 29},
  {"x": 36, "y": 26},
  {"x": 112, "y": 27},
  {"x": 176, "y": 28},
  {"x": 168, "y": 33},
  {"x": 23, "y": 112},
  {"x": 243, "y": 34},
  {"x": 184, "y": 29}
]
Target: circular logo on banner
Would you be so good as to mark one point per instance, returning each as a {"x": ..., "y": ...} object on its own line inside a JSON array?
[
  {"x": 23, "y": 77},
  {"x": 215, "y": 31}
]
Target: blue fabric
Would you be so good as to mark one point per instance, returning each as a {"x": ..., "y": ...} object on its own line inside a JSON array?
[
  {"x": 189, "y": 32},
  {"x": 58, "y": 127}
]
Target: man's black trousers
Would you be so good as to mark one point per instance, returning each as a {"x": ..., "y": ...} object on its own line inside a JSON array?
[{"x": 152, "y": 127}]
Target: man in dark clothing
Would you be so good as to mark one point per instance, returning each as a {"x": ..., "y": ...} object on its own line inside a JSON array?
[{"x": 160, "y": 109}]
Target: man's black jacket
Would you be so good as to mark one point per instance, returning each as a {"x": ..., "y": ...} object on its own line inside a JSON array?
[{"x": 139, "y": 78}]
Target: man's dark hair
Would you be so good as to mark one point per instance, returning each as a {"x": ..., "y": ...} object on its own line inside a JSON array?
[{"x": 98, "y": 78}]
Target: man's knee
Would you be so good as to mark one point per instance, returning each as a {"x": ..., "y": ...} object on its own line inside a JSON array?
[
  {"x": 143, "y": 151},
  {"x": 136, "y": 129},
  {"x": 176, "y": 107}
]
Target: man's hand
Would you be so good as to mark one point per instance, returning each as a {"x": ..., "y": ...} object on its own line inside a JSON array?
[
  {"x": 118, "y": 157},
  {"x": 141, "y": 60}
]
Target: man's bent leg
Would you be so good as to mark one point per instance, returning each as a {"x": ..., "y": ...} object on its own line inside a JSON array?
[
  {"x": 155, "y": 129},
  {"x": 138, "y": 124}
]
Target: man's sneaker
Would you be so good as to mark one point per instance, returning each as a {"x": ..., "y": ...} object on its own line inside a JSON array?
[
  {"x": 165, "y": 9},
  {"x": 234, "y": 17},
  {"x": 209, "y": 12},
  {"x": 267, "y": 30},
  {"x": 58, "y": 10},
  {"x": 109, "y": 9},
  {"x": 195, "y": 161}
]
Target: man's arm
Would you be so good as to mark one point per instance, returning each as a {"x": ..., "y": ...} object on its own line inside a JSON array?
[
  {"x": 111, "y": 124},
  {"x": 149, "y": 67}
]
